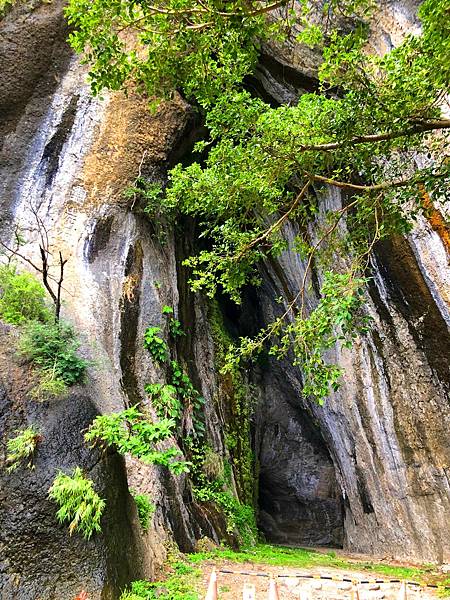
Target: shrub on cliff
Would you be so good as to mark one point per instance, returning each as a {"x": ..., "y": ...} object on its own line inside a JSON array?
[
  {"x": 52, "y": 349},
  {"x": 51, "y": 346},
  {"x": 22, "y": 297}
]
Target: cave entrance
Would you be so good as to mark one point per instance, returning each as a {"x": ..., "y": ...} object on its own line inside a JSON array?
[{"x": 299, "y": 498}]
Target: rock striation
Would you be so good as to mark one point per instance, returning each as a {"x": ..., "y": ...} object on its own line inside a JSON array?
[{"x": 368, "y": 471}]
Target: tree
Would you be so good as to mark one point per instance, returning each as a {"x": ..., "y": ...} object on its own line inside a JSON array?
[
  {"x": 53, "y": 284},
  {"x": 263, "y": 167}
]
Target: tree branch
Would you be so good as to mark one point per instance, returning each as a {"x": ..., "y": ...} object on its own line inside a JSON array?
[
  {"x": 421, "y": 127},
  {"x": 360, "y": 188},
  {"x": 277, "y": 223}
]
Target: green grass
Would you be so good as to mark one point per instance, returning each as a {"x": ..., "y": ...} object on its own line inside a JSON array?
[{"x": 182, "y": 584}]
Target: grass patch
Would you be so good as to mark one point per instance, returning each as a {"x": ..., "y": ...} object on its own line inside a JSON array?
[{"x": 183, "y": 583}]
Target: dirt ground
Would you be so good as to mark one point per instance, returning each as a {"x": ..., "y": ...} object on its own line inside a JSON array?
[{"x": 292, "y": 587}]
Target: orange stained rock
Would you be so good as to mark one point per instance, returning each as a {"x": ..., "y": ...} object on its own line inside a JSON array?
[{"x": 435, "y": 218}]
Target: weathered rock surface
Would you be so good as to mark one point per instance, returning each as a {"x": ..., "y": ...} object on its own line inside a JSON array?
[
  {"x": 388, "y": 428},
  {"x": 370, "y": 470},
  {"x": 73, "y": 164},
  {"x": 38, "y": 557}
]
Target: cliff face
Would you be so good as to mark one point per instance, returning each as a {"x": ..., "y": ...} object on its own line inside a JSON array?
[{"x": 369, "y": 470}]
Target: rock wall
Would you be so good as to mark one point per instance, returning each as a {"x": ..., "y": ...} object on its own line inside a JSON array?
[
  {"x": 38, "y": 557},
  {"x": 70, "y": 156},
  {"x": 387, "y": 430},
  {"x": 369, "y": 470}
]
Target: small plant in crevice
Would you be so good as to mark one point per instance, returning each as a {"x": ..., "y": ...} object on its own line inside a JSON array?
[
  {"x": 145, "y": 197},
  {"x": 192, "y": 401},
  {"x": 145, "y": 508},
  {"x": 180, "y": 395},
  {"x": 165, "y": 401},
  {"x": 52, "y": 348},
  {"x": 79, "y": 504},
  {"x": 240, "y": 517},
  {"x": 131, "y": 432},
  {"x": 181, "y": 400},
  {"x": 173, "y": 324},
  {"x": 22, "y": 447},
  {"x": 155, "y": 344}
]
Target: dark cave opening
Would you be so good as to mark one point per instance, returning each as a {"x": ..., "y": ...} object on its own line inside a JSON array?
[{"x": 299, "y": 498}]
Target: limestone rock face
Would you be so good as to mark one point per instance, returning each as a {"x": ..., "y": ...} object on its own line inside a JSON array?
[
  {"x": 369, "y": 470},
  {"x": 387, "y": 430},
  {"x": 70, "y": 157},
  {"x": 38, "y": 557},
  {"x": 299, "y": 498}
]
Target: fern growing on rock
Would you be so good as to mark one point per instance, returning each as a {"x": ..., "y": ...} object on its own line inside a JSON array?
[
  {"x": 22, "y": 447},
  {"x": 145, "y": 509},
  {"x": 79, "y": 504},
  {"x": 131, "y": 432}
]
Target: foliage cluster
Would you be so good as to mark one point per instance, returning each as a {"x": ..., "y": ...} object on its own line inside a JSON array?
[
  {"x": 145, "y": 509},
  {"x": 266, "y": 167},
  {"x": 51, "y": 347},
  {"x": 79, "y": 503},
  {"x": 179, "y": 396},
  {"x": 5, "y": 5},
  {"x": 22, "y": 297},
  {"x": 182, "y": 583},
  {"x": 131, "y": 431},
  {"x": 238, "y": 409},
  {"x": 175, "y": 400},
  {"x": 22, "y": 447},
  {"x": 240, "y": 517}
]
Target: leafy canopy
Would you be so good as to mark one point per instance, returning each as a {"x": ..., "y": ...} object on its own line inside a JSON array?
[{"x": 264, "y": 168}]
